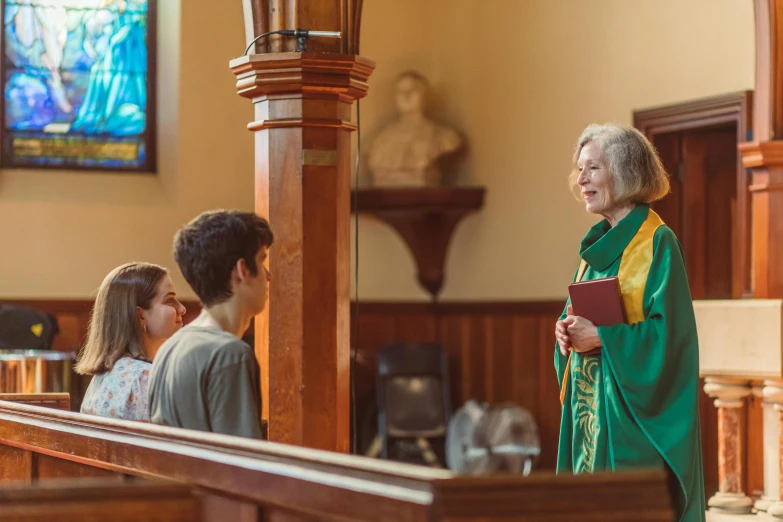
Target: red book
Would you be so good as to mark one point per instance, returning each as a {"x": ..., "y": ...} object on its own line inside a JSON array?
[{"x": 599, "y": 301}]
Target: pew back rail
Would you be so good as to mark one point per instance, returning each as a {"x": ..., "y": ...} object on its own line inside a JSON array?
[{"x": 37, "y": 443}]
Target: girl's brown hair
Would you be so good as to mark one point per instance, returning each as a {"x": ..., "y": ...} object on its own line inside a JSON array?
[{"x": 115, "y": 330}]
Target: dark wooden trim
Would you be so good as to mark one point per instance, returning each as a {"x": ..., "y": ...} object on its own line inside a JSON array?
[
  {"x": 59, "y": 401},
  {"x": 726, "y": 108},
  {"x": 66, "y": 306},
  {"x": 734, "y": 108},
  {"x": 70, "y": 306},
  {"x": 547, "y": 307},
  {"x": 91, "y": 489}
]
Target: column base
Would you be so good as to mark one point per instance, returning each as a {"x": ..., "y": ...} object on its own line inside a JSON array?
[
  {"x": 776, "y": 509},
  {"x": 764, "y": 503},
  {"x": 734, "y": 503}
]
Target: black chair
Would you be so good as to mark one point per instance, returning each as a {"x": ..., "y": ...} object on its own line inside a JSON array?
[
  {"x": 23, "y": 328},
  {"x": 414, "y": 398}
]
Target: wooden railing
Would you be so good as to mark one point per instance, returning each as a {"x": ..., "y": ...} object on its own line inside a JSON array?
[
  {"x": 59, "y": 401},
  {"x": 263, "y": 480}
]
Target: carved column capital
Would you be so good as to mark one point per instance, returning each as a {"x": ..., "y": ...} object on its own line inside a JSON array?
[
  {"x": 727, "y": 393},
  {"x": 773, "y": 392}
]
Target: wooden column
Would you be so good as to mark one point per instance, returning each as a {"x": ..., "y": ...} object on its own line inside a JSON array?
[
  {"x": 764, "y": 156},
  {"x": 729, "y": 398},
  {"x": 773, "y": 440},
  {"x": 303, "y": 128}
]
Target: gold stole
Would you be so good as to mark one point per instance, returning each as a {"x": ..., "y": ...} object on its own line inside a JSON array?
[{"x": 634, "y": 270}]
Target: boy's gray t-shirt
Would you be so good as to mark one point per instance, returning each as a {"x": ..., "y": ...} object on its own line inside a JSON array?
[{"x": 204, "y": 378}]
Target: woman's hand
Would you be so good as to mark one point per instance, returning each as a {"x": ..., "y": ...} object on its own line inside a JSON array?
[
  {"x": 582, "y": 333},
  {"x": 561, "y": 333}
]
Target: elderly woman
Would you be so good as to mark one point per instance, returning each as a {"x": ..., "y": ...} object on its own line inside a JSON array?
[{"x": 630, "y": 391}]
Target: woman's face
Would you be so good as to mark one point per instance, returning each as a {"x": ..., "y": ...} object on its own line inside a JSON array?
[
  {"x": 595, "y": 180},
  {"x": 164, "y": 316}
]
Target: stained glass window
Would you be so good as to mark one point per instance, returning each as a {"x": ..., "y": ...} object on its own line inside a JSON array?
[{"x": 77, "y": 84}]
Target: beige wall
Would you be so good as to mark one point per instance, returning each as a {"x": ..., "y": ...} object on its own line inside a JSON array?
[
  {"x": 522, "y": 79},
  {"x": 61, "y": 232}
]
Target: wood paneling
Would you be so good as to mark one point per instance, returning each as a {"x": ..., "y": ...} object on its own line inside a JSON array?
[
  {"x": 80, "y": 500},
  {"x": 497, "y": 352},
  {"x": 47, "y": 467},
  {"x": 15, "y": 465}
]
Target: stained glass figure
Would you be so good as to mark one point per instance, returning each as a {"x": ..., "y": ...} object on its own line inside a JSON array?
[{"x": 76, "y": 84}]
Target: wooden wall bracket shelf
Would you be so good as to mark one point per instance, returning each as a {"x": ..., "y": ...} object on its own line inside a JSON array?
[{"x": 425, "y": 218}]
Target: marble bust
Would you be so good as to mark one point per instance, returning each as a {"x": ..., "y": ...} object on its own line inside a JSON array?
[{"x": 405, "y": 153}]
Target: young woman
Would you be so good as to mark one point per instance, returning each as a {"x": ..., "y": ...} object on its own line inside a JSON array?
[{"x": 135, "y": 312}]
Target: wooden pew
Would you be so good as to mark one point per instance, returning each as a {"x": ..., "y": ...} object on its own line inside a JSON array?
[
  {"x": 59, "y": 401},
  {"x": 93, "y": 500},
  {"x": 62, "y": 401},
  {"x": 258, "y": 480}
]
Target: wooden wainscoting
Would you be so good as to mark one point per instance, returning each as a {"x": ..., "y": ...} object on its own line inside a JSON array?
[
  {"x": 497, "y": 352},
  {"x": 504, "y": 352}
]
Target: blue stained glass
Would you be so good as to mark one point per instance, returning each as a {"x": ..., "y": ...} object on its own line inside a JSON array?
[{"x": 76, "y": 79}]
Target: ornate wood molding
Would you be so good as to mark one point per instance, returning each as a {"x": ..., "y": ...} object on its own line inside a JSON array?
[
  {"x": 762, "y": 154},
  {"x": 727, "y": 108},
  {"x": 313, "y": 75},
  {"x": 425, "y": 218}
]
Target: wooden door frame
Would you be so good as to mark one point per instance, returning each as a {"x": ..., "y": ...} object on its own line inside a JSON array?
[{"x": 734, "y": 108}]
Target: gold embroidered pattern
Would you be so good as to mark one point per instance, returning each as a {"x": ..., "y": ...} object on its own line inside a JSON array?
[{"x": 586, "y": 384}]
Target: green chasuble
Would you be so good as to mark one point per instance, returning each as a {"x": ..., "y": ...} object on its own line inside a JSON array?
[{"x": 635, "y": 404}]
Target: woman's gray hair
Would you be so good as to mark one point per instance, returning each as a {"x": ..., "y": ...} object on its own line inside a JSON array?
[{"x": 637, "y": 172}]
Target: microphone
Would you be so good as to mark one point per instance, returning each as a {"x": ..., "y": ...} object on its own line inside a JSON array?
[{"x": 301, "y": 34}]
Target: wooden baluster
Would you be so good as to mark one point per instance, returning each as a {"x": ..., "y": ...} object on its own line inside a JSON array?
[{"x": 729, "y": 398}]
